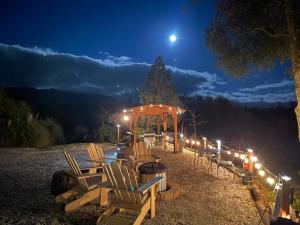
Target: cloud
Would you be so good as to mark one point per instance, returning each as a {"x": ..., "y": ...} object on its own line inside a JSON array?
[
  {"x": 45, "y": 68},
  {"x": 116, "y": 75},
  {"x": 277, "y": 97},
  {"x": 281, "y": 84}
]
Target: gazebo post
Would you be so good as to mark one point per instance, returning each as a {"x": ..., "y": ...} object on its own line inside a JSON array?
[
  {"x": 165, "y": 130},
  {"x": 134, "y": 128},
  {"x": 176, "y": 149}
]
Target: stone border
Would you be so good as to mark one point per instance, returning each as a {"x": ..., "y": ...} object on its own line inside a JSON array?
[{"x": 173, "y": 192}]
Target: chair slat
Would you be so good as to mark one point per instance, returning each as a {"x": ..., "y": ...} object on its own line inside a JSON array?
[
  {"x": 119, "y": 179},
  {"x": 135, "y": 185},
  {"x": 129, "y": 184}
]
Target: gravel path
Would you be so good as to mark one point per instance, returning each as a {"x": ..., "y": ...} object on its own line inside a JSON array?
[{"x": 25, "y": 192}]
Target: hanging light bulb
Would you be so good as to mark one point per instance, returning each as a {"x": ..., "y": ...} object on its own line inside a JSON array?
[
  {"x": 261, "y": 173},
  {"x": 229, "y": 152},
  {"x": 193, "y": 142},
  {"x": 270, "y": 180},
  {"x": 254, "y": 158},
  {"x": 257, "y": 166},
  {"x": 198, "y": 143},
  {"x": 236, "y": 155},
  {"x": 187, "y": 141},
  {"x": 242, "y": 156}
]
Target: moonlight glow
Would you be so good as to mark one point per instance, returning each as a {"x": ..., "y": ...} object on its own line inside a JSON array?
[{"x": 173, "y": 38}]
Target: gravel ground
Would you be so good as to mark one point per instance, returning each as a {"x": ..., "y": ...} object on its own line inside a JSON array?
[{"x": 25, "y": 192}]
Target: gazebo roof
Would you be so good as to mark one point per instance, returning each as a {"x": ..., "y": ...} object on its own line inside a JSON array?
[{"x": 152, "y": 109}]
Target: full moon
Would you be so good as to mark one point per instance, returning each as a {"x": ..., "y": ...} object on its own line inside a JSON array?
[{"x": 173, "y": 38}]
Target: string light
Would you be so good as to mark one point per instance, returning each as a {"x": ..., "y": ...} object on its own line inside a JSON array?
[
  {"x": 261, "y": 173},
  {"x": 126, "y": 118},
  {"x": 193, "y": 142},
  {"x": 246, "y": 161},
  {"x": 187, "y": 141},
  {"x": 249, "y": 150},
  {"x": 219, "y": 144},
  {"x": 270, "y": 180},
  {"x": 181, "y": 135},
  {"x": 198, "y": 143},
  {"x": 229, "y": 152},
  {"x": 124, "y": 111},
  {"x": 257, "y": 166},
  {"x": 285, "y": 178},
  {"x": 254, "y": 158},
  {"x": 236, "y": 155},
  {"x": 242, "y": 156}
]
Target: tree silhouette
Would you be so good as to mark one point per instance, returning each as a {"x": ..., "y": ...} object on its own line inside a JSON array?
[
  {"x": 159, "y": 87},
  {"x": 250, "y": 35}
]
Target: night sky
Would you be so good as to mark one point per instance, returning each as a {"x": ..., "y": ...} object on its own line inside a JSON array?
[{"x": 107, "y": 47}]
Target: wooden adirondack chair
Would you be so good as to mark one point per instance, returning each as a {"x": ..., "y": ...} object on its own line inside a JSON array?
[
  {"x": 86, "y": 190},
  {"x": 97, "y": 156},
  {"x": 128, "y": 195},
  {"x": 142, "y": 154}
]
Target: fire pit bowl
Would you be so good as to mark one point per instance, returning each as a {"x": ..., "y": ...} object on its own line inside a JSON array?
[{"x": 149, "y": 170}]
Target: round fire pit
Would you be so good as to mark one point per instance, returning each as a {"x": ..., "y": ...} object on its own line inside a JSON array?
[{"x": 149, "y": 170}]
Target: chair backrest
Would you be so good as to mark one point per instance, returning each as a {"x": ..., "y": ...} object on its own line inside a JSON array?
[
  {"x": 123, "y": 182},
  {"x": 76, "y": 171},
  {"x": 95, "y": 153},
  {"x": 140, "y": 148}
]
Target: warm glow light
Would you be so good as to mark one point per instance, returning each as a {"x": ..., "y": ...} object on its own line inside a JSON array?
[
  {"x": 242, "y": 156},
  {"x": 126, "y": 118},
  {"x": 219, "y": 144},
  {"x": 172, "y": 38},
  {"x": 124, "y": 110},
  {"x": 250, "y": 150},
  {"x": 193, "y": 142},
  {"x": 285, "y": 177},
  {"x": 270, "y": 180},
  {"x": 168, "y": 137},
  {"x": 236, "y": 154},
  {"x": 261, "y": 173},
  {"x": 181, "y": 135},
  {"x": 187, "y": 141},
  {"x": 254, "y": 158},
  {"x": 246, "y": 161},
  {"x": 257, "y": 166},
  {"x": 229, "y": 152},
  {"x": 118, "y": 125},
  {"x": 204, "y": 138},
  {"x": 160, "y": 105},
  {"x": 198, "y": 142},
  {"x": 141, "y": 108},
  {"x": 170, "y": 108}
]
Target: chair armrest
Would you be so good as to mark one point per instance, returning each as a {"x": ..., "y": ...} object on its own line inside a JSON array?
[
  {"x": 90, "y": 175},
  {"x": 145, "y": 187}
]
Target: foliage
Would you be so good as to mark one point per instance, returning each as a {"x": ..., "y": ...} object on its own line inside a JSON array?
[
  {"x": 107, "y": 133},
  {"x": 159, "y": 87},
  {"x": 246, "y": 35},
  {"x": 19, "y": 127}
]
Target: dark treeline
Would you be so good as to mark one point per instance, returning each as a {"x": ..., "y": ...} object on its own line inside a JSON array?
[
  {"x": 271, "y": 131},
  {"x": 82, "y": 116}
]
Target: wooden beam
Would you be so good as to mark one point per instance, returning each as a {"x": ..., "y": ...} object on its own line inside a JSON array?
[{"x": 165, "y": 116}]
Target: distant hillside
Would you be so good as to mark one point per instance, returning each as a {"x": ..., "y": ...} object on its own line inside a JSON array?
[{"x": 78, "y": 113}]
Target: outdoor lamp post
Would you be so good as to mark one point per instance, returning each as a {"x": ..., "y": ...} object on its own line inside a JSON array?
[{"x": 118, "y": 132}]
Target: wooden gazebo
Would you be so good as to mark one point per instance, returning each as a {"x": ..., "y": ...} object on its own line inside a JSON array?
[{"x": 133, "y": 114}]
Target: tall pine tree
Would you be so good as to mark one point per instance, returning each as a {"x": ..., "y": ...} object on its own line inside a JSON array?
[{"x": 159, "y": 88}]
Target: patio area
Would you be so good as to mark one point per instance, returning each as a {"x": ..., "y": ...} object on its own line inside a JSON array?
[{"x": 204, "y": 199}]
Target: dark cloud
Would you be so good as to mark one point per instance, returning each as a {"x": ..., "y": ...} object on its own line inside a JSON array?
[{"x": 44, "y": 68}]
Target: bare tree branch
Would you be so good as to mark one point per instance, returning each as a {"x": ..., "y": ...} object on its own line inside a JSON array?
[{"x": 270, "y": 34}]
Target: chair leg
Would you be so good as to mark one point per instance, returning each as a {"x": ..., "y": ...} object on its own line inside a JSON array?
[
  {"x": 62, "y": 198},
  {"x": 143, "y": 213},
  {"x": 87, "y": 197},
  {"x": 152, "y": 201},
  {"x": 108, "y": 212}
]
